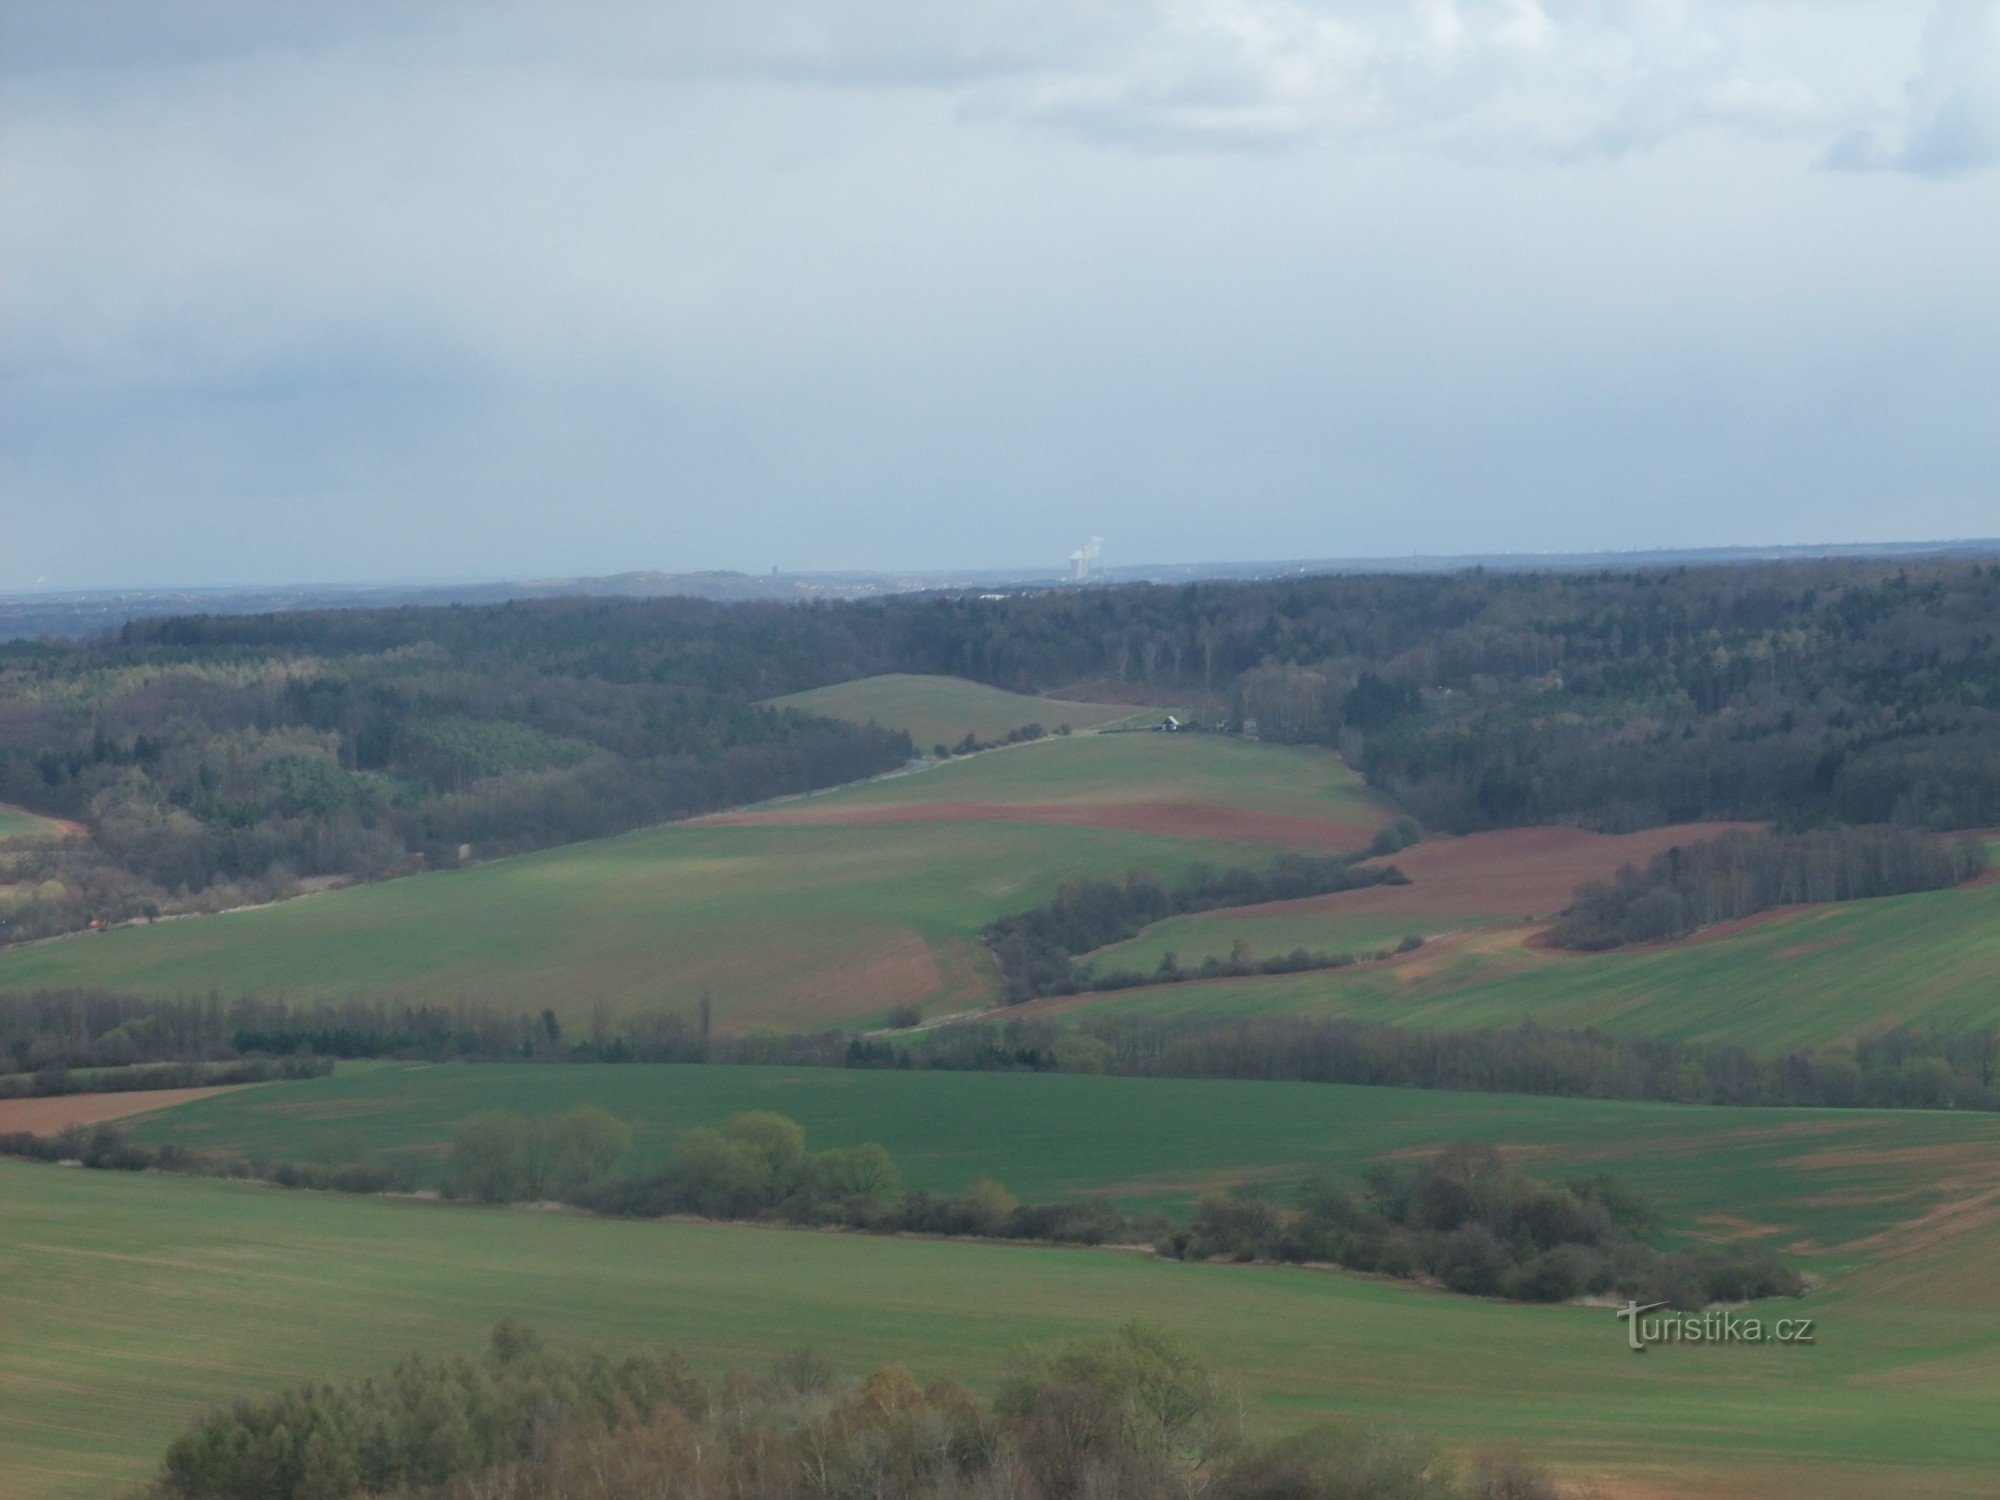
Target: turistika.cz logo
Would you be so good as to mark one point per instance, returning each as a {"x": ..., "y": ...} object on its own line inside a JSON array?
[{"x": 1713, "y": 1327}]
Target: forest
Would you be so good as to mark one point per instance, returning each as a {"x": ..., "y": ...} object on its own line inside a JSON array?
[{"x": 217, "y": 760}]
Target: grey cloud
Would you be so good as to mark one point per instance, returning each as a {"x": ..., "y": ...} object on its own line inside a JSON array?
[{"x": 509, "y": 289}]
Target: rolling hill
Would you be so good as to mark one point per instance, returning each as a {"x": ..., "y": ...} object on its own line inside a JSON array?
[{"x": 809, "y": 912}]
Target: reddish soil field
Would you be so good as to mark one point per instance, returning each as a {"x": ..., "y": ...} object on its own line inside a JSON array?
[
  {"x": 1188, "y": 820},
  {"x": 1516, "y": 872},
  {"x": 47, "y": 1116}
]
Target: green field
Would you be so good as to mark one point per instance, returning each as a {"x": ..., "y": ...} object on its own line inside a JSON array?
[
  {"x": 1818, "y": 1184},
  {"x": 17, "y": 823},
  {"x": 1804, "y": 978},
  {"x": 130, "y": 1302},
  {"x": 1214, "y": 934},
  {"x": 943, "y": 710},
  {"x": 784, "y": 923},
  {"x": 1144, "y": 770}
]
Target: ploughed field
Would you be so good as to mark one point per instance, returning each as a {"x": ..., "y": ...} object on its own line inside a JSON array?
[
  {"x": 1511, "y": 878},
  {"x": 1831, "y": 1189},
  {"x": 821, "y": 910},
  {"x": 131, "y": 1302}
]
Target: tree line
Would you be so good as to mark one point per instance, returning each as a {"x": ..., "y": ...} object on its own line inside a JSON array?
[
  {"x": 1463, "y": 1219},
  {"x": 1898, "y": 1067},
  {"x": 56, "y": 1079},
  {"x": 1738, "y": 875},
  {"x": 106, "y": 1148},
  {"x": 1034, "y": 949},
  {"x": 1134, "y": 1413}
]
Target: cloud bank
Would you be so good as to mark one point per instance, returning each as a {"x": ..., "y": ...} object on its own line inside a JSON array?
[{"x": 295, "y": 291}]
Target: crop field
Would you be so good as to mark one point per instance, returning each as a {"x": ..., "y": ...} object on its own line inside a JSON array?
[
  {"x": 1187, "y": 786},
  {"x": 792, "y": 917},
  {"x": 132, "y": 1301},
  {"x": 1480, "y": 882},
  {"x": 1834, "y": 1188},
  {"x": 1804, "y": 977},
  {"x": 943, "y": 710}
]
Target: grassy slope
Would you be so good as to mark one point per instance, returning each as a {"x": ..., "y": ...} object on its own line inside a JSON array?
[
  {"x": 1096, "y": 770},
  {"x": 130, "y": 1302},
  {"x": 946, "y": 709},
  {"x": 1790, "y": 1177},
  {"x": 1801, "y": 978},
  {"x": 18, "y": 824},
  {"x": 789, "y": 925}
]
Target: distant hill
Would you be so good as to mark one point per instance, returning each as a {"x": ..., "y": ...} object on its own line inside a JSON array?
[{"x": 84, "y": 613}]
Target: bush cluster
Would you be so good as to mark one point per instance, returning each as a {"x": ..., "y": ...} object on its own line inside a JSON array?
[
  {"x": 106, "y": 1148},
  {"x": 1468, "y": 1222}
]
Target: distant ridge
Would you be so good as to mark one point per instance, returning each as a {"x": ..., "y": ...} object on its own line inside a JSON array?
[{"x": 89, "y": 612}]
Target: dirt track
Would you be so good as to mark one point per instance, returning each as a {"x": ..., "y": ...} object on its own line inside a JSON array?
[{"x": 47, "y": 1116}]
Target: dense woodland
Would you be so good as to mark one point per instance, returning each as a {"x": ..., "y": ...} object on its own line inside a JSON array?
[
  {"x": 222, "y": 758},
  {"x": 1135, "y": 1415}
]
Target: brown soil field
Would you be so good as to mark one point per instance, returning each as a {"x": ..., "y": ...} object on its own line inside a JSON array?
[
  {"x": 48, "y": 1116},
  {"x": 1189, "y": 820},
  {"x": 1518, "y": 873}
]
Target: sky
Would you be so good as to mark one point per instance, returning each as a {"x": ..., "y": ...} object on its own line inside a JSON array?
[{"x": 399, "y": 290}]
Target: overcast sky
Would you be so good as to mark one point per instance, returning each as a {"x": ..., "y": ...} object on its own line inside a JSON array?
[{"x": 397, "y": 290}]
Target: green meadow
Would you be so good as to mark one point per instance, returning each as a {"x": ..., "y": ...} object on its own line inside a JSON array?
[
  {"x": 1829, "y": 1187},
  {"x": 943, "y": 710},
  {"x": 130, "y": 1302},
  {"x": 792, "y": 924},
  {"x": 1148, "y": 770}
]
